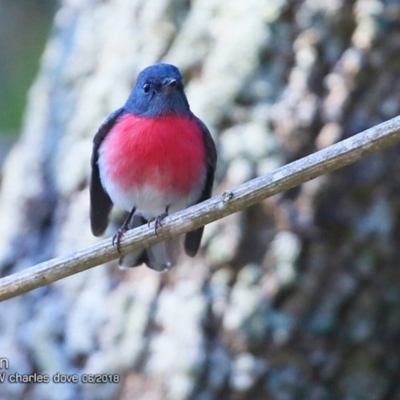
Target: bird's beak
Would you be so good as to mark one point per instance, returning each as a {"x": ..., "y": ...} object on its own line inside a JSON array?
[{"x": 168, "y": 84}]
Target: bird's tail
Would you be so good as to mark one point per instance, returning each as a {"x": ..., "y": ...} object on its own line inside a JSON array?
[{"x": 160, "y": 257}]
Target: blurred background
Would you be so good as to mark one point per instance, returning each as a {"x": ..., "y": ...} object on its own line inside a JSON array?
[
  {"x": 297, "y": 297},
  {"x": 24, "y": 28}
]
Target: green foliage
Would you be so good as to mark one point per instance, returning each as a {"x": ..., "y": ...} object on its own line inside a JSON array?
[{"x": 24, "y": 27}]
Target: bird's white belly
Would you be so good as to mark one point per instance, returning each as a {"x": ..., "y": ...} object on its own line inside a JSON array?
[{"x": 149, "y": 201}]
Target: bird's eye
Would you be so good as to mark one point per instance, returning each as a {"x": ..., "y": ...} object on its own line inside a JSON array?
[{"x": 146, "y": 88}]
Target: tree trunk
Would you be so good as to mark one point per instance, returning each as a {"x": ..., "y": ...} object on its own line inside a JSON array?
[{"x": 295, "y": 298}]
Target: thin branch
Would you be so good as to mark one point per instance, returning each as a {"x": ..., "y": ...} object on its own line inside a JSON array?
[{"x": 332, "y": 158}]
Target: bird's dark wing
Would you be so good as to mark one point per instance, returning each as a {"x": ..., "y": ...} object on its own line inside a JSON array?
[
  {"x": 193, "y": 239},
  {"x": 100, "y": 202}
]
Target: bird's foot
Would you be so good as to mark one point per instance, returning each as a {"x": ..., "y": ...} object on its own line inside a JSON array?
[
  {"x": 124, "y": 228},
  {"x": 158, "y": 221},
  {"x": 118, "y": 236}
]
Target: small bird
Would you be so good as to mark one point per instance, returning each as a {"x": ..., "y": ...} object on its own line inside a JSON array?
[{"x": 150, "y": 158}]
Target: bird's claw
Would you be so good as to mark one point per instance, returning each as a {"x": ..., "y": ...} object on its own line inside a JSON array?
[
  {"x": 158, "y": 221},
  {"x": 117, "y": 238}
]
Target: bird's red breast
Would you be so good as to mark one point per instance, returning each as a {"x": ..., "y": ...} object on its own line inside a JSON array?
[{"x": 165, "y": 152}]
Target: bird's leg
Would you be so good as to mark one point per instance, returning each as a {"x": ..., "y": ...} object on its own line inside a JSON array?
[
  {"x": 124, "y": 228},
  {"x": 159, "y": 219}
]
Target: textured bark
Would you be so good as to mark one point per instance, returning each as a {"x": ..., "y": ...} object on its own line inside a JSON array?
[{"x": 295, "y": 298}]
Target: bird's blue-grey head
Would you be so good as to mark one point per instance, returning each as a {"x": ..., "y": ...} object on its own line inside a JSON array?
[{"x": 158, "y": 91}]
